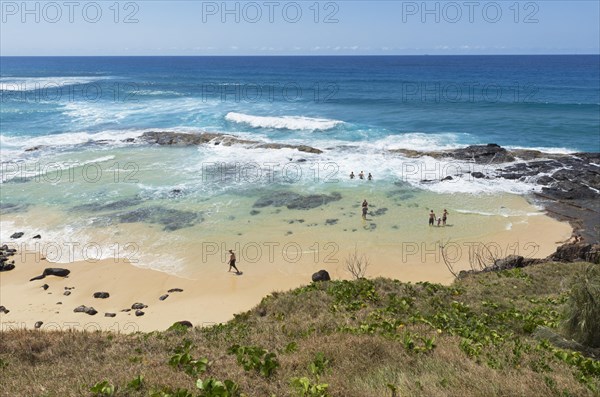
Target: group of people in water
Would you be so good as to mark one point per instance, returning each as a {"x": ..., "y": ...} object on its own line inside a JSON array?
[
  {"x": 441, "y": 220},
  {"x": 361, "y": 175}
]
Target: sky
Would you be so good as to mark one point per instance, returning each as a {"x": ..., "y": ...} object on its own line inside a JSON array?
[{"x": 351, "y": 27}]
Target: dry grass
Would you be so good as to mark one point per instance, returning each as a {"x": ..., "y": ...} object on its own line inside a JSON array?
[{"x": 360, "y": 326}]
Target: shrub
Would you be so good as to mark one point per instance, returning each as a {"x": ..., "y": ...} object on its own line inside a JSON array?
[{"x": 583, "y": 308}]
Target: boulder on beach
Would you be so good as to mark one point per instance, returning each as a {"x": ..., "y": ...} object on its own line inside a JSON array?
[
  {"x": 138, "y": 306},
  {"x": 101, "y": 295},
  {"x": 321, "y": 275},
  {"x": 85, "y": 309},
  {"x": 175, "y": 290},
  {"x": 4, "y": 310},
  {"x": 110, "y": 314},
  {"x": 17, "y": 235},
  {"x": 163, "y": 297},
  {"x": 38, "y": 324},
  {"x": 52, "y": 271},
  {"x": 139, "y": 313},
  {"x": 4, "y": 267},
  {"x": 183, "y": 323}
]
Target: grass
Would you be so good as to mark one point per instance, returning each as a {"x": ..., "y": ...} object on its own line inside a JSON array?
[{"x": 477, "y": 337}]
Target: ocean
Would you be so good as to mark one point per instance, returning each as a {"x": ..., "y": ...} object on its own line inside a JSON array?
[{"x": 86, "y": 181}]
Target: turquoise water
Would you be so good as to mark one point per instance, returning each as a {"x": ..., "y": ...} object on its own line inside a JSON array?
[{"x": 85, "y": 184}]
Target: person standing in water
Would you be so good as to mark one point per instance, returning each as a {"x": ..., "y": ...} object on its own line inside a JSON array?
[
  {"x": 444, "y": 217},
  {"x": 232, "y": 262},
  {"x": 365, "y": 209},
  {"x": 431, "y": 218},
  {"x": 370, "y": 177},
  {"x": 351, "y": 174},
  {"x": 361, "y": 175}
]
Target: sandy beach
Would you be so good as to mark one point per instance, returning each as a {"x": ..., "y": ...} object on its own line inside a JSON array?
[{"x": 212, "y": 295}]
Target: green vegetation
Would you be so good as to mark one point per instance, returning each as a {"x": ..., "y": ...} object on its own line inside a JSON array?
[{"x": 506, "y": 333}]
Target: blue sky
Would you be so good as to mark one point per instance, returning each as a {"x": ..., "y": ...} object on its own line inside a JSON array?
[{"x": 353, "y": 27}]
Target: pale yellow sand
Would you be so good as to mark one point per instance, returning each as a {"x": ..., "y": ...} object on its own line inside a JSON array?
[{"x": 213, "y": 295}]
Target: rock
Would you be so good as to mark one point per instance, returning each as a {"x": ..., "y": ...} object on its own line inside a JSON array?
[
  {"x": 321, "y": 275},
  {"x": 477, "y": 175},
  {"x": 59, "y": 303},
  {"x": 110, "y": 314},
  {"x": 296, "y": 201},
  {"x": 448, "y": 178},
  {"x": 38, "y": 324},
  {"x": 483, "y": 154},
  {"x": 17, "y": 235},
  {"x": 571, "y": 252},
  {"x": 4, "y": 310},
  {"x": 254, "y": 212},
  {"x": 139, "y": 313},
  {"x": 138, "y": 306},
  {"x": 67, "y": 293},
  {"x": 37, "y": 236},
  {"x": 163, "y": 297},
  {"x": 331, "y": 221},
  {"x": 126, "y": 310},
  {"x": 510, "y": 262},
  {"x": 45, "y": 286},
  {"x": 184, "y": 323},
  {"x": 379, "y": 211},
  {"x": 85, "y": 309},
  {"x": 34, "y": 148},
  {"x": 101, "y": 295},
  {"x": 52, "y": 271},
  {"x": 6, "y": 267},
  {"x": 174, "y": 290}
]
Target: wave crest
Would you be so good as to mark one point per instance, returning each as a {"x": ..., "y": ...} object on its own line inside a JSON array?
[{"x": 284, "y": 122}]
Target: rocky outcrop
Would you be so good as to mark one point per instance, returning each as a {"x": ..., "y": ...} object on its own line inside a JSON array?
[
  {"x": 208, "y": 138},
  {"x": 568, "y": 185},
  {"x": 577, "y": 252},
  {"x": 321, "y": 275}
]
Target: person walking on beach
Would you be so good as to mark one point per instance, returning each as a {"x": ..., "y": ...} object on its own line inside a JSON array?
[
  {"x": 232, "y": 262},
  {"x": 365, "y": 209},
  {"x": 351, "y": 174},
  {"x": 361, "y": 175},
  {"x": 431, "y": 218},
  {"x": 444, "y": 217}
]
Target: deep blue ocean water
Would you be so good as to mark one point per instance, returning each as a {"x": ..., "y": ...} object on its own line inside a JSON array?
[{"x": 419, "y": 102}]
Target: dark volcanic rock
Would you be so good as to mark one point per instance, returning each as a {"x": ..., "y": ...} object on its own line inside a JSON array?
[
  {"x": 184, "y": 323},
  {"x": 477, "y": 175},
  {"x": 45, "y": 287},
  {"x": 163, "y": 297},
  {"x": 139, "y": 313},
  {"x": 37, "y": 236},
  {"x": 101, "y": 295},
  {"x": 321, "y": 275},
  {"x": 174, "y": 290},
  {"x": 448, "y": 178},
  {"x": 4, "y": 267},
  {"x": 4, "y": 310},
  {"x": 138, "y": 306},
  {"x": 17, "y": 235},
  {"x": 110, "y": 314},
  {"x": 38, "y": 324},
  {"x": 510, "y": 262},
  {"x": 331, "y": 221},
  {"x": 85, "y": 309},
  {"x": 189, "y": 139},
  {"x": 67, "y": 293},
  {"x": 483, "y": 154},
  {"x": 52, "y": 271},
  {"x": 571, "y": 252}
]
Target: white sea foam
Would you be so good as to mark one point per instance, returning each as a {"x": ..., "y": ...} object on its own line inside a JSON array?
[
  {"x": 43, "y": 83},
  {"x": 284, "y": 122}
]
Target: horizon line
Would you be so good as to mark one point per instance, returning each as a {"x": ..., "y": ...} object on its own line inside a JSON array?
[{"x": 292, "y": 55}]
